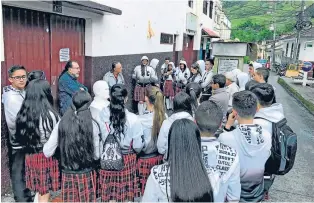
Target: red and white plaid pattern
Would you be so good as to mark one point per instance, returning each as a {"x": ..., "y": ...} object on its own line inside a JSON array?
[
  {"x": 119, "y": 185},
  {"x": 41, "y": 173},
  {"x": 79, "y": 187},
  {"x": 139, "y": 93},
  {"x": 144, "y": 167},
  {"x": 168, "y": 89}
]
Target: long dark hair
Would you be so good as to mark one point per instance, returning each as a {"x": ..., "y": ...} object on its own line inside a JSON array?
[
  {"x": 187, "y": 184},
  {"x": 196, "y": 66},
  {"x": 36, "y": 74},
  {"x": 194, "y": 90},
  {"x": 181, "y": 103},
  {"x": 37, "y": 107},
  {"x": 156, "y": 98},
  {"x": 76, "y": 133},
  {"x": 66, "y": 68},
  {"x": 118, "y": 93}
]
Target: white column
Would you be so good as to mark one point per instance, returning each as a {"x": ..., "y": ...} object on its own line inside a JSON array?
[{"x": 304, "y": 78}]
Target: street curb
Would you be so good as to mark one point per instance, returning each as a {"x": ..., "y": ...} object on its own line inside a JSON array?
[{"x": 307, "y": 104}]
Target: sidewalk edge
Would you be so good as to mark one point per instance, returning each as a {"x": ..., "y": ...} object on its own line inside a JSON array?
[{"x": 306, "y": 103}]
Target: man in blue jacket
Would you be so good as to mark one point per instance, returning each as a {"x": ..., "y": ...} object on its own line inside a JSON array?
[{"x": 68, "y": 85}]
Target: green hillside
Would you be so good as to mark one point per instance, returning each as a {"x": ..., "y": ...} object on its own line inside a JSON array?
[{"x": 251, "y": 20}]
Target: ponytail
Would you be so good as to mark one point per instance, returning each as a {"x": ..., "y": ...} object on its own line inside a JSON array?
[
  {"x": 118, "y": 93},
  {"x": 193, "y": 100},
  {"x": 157, "y": 99},
  {"x": 194, "y": 91}
]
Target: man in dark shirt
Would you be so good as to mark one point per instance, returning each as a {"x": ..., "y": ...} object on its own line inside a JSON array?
[{"x": 68, "y": 85}]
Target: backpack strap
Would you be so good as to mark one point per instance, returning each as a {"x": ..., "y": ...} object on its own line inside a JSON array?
[
  {"x": 262, "y": 118},
  {"x": 99, "y": 130}
]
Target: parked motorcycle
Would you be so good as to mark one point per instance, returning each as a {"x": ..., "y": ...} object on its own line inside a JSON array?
[{"x": 282, "y": 70}]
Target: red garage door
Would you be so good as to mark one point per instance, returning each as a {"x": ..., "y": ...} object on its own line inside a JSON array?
[
  {"x": 34, "y": 39},
  {"x": 26, "y": 40}
]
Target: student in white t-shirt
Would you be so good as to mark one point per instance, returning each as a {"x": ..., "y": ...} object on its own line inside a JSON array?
[{"x": 221, "y": 161}]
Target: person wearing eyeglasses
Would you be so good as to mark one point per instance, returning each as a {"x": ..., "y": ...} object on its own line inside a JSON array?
[
  {"x": 12, "y": 99},
  {"x": 69, "y": 85},
  {"x": 114, "y": 76}
]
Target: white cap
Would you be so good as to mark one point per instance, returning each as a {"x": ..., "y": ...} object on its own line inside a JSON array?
[
  {"x": 144, "y": 58},
  {"x": 183, "y": 62},
  {"x": 230, "y": 76}
]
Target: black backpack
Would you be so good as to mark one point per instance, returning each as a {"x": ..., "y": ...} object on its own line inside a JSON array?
[
  {"x": 283, "y": 149},
  {"x": 111, "y": 158}
]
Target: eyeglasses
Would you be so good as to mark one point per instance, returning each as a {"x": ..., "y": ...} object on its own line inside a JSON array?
[{"x": 19, "y": 77}]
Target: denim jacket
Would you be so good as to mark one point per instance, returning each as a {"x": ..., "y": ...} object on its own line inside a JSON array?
[{"x": 68, "y": 85}]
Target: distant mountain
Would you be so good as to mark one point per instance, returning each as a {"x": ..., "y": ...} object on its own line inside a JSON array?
[{"x": 251, "y": 20}]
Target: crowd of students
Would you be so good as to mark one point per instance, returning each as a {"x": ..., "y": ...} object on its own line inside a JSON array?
[{"x": 213, "y": 148}]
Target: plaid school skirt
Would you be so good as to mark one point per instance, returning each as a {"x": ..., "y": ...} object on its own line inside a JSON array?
[
  {"x": 119, "y": 185},
  {"x": 168, "y": 89},
  {"x": 144, "y": 166},
  {"x": 139, "y": 93},
  {"x": 79, "y": 187},
  {"x": 41, "y": 173}
]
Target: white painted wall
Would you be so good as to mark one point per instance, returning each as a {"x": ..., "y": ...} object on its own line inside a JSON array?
[
  {"x": 127, "y": 34},
  {"x": 306, "y": 53}
]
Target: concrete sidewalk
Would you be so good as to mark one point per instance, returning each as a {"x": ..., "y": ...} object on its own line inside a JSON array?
[{"x": 305, "y": 95}]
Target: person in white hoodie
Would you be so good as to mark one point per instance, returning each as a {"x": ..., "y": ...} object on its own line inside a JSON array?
[
  {"x": 251, "y": 142},
  {"x": 127, "y": 128},
  {"x": 144, "y": 75},
  {"x": 182, "y": 109},
  {"x": 221, "y": 161},
  {"x": 182, "y": 75},
  {"x": 12, "y": 99},
  {"x": 268, "y": 113},
  {"x": 231, "y": 87},
  {"x": 101, "y": 99},
  {"x": 151, "y": 121},
  {"x": 242, "y": 78}
]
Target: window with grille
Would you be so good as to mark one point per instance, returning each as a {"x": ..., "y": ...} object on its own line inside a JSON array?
[
  {"x": 291, "y": 54},
  {"x": 211, "y": 9},
  {"x": 205, "y": 7},
  {"x": 191, "y": 3},
  {"x": 287, "y": 48},
  {"x": 166, "y": 38}
]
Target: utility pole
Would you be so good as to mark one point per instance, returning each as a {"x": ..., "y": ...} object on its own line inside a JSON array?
[
  {"x": 299, "y": 28},
  {"x": 274, "y": 36}
]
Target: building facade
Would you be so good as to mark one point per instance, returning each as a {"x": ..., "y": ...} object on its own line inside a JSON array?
[{"x": 286, "y": 46}]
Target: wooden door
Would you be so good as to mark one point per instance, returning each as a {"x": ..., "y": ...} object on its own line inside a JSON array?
[
  {"x": 188, "y": 53},
  {"x": 26, "y": 40},
  {"x": 66, "y": 32}
]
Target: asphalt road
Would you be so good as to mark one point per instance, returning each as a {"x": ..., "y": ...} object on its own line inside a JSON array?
[{"x": 297, "y": 185}]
